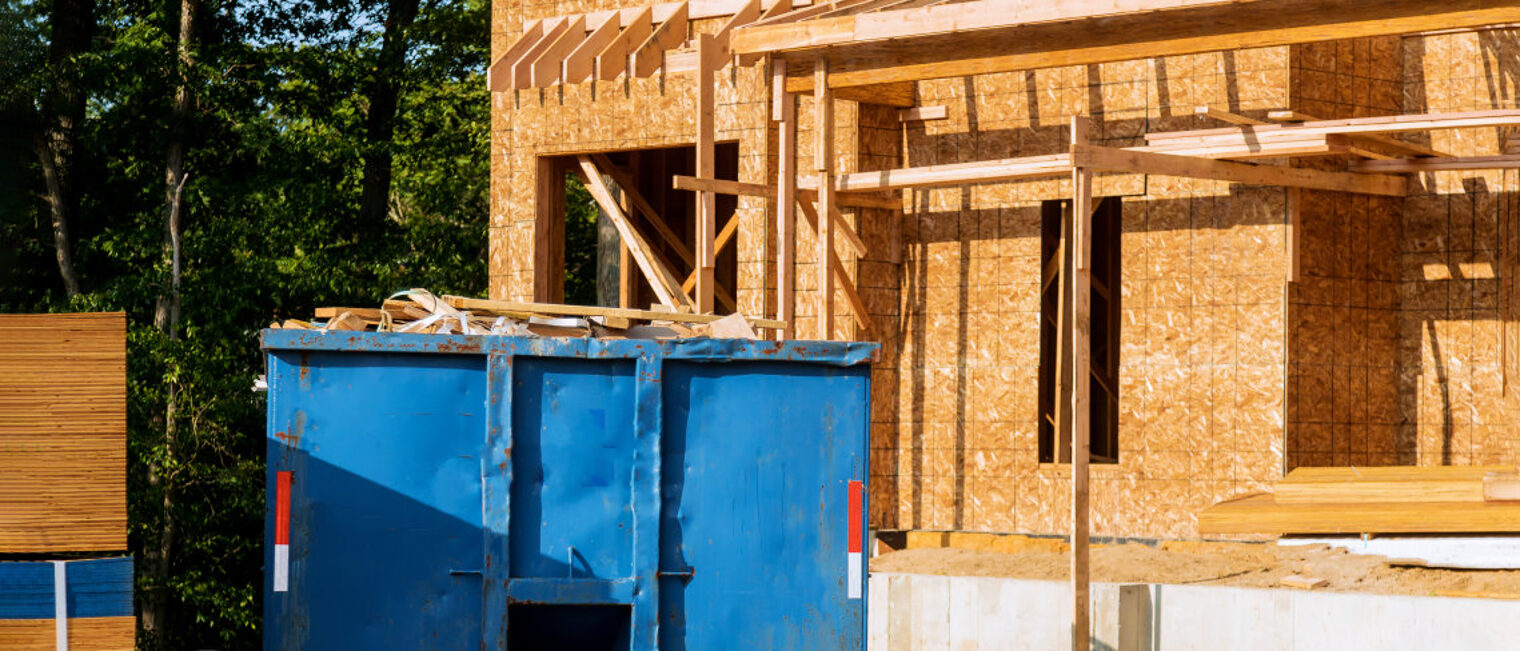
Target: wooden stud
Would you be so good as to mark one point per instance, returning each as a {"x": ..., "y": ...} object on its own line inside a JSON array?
[
  {"x": 1295, "y": 232},
  {"x": 846, "y": 285},
  {"x": 613, "y": 59},
  {"x": 649, "y": 55},
  {"x": 843, "y": 200},
  {"x": 823, "y": 161},
  {"x": 665, "y": 286},
  {"x": 786, "y": 198},
  {"x": 1081, "y": 295},
  {"x": 706, "y": 150},
  {"x": 580, "y": 63},
  {"x": 546, "y": 66}
]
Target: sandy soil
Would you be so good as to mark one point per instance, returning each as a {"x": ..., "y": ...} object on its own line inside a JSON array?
[{"x": 1232, "y": 564}]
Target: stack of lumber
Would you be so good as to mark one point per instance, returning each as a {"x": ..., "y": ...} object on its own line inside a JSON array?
[
  {"x": 63, "y": 433},
  {"x": 1390, "y": 499},
  {"x": 419, "y": 311},
  {"x": 96, "y": 609}
]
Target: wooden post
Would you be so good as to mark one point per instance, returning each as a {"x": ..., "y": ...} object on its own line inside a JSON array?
[
  {"x": 707, "y": 228},
  {"x": 823, "y": 150},
  {"x": 1081, "y": 303},
  {"x": 786, "y": 201},
  {"x": 1294, "y": 226}
]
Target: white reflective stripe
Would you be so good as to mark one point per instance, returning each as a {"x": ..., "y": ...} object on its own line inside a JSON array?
[
  {"x": 281, "y": 568},
  {"x": 61, "y": 604},
  {"x": 857, "y": 563}
]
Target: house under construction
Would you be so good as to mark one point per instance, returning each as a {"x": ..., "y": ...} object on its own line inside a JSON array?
[{"x": 1267, "y": 234}]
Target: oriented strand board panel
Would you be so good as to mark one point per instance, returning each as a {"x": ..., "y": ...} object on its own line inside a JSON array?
[
  {"x": 85, "y": 634},
  {"x": 1262, "y": 514},
  {"x": 63, "y": 432}
]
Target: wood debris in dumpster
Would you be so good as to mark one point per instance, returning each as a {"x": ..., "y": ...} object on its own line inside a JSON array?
[{"x": 420, "y": 311}]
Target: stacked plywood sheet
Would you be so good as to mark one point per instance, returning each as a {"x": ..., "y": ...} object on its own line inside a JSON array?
[
  {"x": 63, "y": 433},
  {"x": 96, "y": 612},
  {"x": 1394, "y": 499}
]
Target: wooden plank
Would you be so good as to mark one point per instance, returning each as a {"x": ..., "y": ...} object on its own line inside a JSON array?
[
  {"x": 665, "y": 287},
  {"x": 1125, "y": 160},
  {"x": 823, "y": 161},
  {"x": 1225, "y": 116},
  {"x": 786, "y": 198},
  {"x": 1413, "y": 149},
  {"x": 846, "y": 285},
  {"x": 1354, "y": 126},
  {"x": 1081, "y": 375},
  {"x": 653, "y": 217},
  {"x": 994, "y": 171},
  {"x": 1262, "y": 514},
  {"x": 1390, "y": 473},
  {"x": 720, "y": 186},
  {"x": 484, "y": 305},
  {"x": 1424, "y": 489},
  {"x": 545, "y": 67},
  {"x": 1501, "y": 486},
  {"x": 921, "y": 52},
  {"x": 499, "y": 76},
  {"x": 901, "y": 94},
  {"x": 1294, "y": 209},
  {"x": 613, "y": 59},
  {"x": 580, "y": 63},
  {"x": 922, "y": 113},
  {"x": 1302, "y": 582},
  {"x": 650, "y": 54},
  {"x": 707, "y": 206},
  {"x": 1423, "y": 165}
]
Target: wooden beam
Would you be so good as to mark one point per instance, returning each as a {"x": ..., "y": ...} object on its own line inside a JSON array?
[
  {"x": 648, "y": 56},
  {"x": 499, "y": 76},
  {"x": 846, "y": 286},
  {"x": 483, "y": 305},
  {"x": 580, "y": 63},
  {"x": 1081, "y": 376},
  {"x": 1354, "y": 126},
  {"x": 613, "y": 59},
  {"x": 1225, "y": 116},
  {"x": 1261, "y": 514},
  {"x": 1347, "y": 485},
  {"x": 720, "y": 186},
  {"x": 906, "y": 47},
  {"x": 655, "y": 219},
  {"x": 665, "y": 286},
  {"x": 1422, "y": 165},
  {"x": 724, "y": 237},
  {"x": 901, "y": 94},
  {"x": 522, "y": 69},
  {"x": 923, "y": 113},
  {"x": 546, "y": 66},
  {"x": 786, "y": 197},
  {"x": 1411, "y": 148},
  {"x": 823, "y": 161},
  {"x": 707, "y": 207},
  {"x": 1127, "y": 160},
  {"x": 994, "y": 171},
  {"x": 746, "y": 14}
]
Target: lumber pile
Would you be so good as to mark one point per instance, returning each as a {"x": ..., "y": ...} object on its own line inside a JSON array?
[
  {"x": 1392, "y": 499},
  {"x": 96, "y": 612},
  {"x": 419, "y": 311},
  {"x": 63, "y": 433}
]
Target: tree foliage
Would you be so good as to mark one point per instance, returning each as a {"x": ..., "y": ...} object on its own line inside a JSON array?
[{"x": 275, "y": 145}]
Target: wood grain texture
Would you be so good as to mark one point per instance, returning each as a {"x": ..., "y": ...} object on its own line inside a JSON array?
[
  {"x": 1384, "y": 484},
  {"x": 1263, "y": 514},
  {"x": 85, "y": 634},
  {"x": 63, "y": 433}
]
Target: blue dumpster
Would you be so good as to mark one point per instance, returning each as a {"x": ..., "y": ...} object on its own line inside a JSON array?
[{"x": 464, "y": 492}]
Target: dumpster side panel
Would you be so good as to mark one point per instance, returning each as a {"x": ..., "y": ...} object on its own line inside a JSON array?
[
  {"x": 384, "y": 500},
  {"x": 757, "y": 462}
]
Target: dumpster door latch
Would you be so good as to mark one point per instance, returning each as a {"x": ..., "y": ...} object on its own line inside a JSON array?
[
  {"x": 463, "y": 572},
  {"x": 685, "y": 575}
]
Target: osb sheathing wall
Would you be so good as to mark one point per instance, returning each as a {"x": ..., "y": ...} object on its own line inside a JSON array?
[
  {"x": 1457, "y": 264},
  {"x": 1202, "y": 336}
]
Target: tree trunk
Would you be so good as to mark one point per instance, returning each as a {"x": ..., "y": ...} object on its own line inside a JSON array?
[
  {"x": 155, "y": 611},
  {"x": 72, "y": 23},
  {"x": 380, "y": 124}
]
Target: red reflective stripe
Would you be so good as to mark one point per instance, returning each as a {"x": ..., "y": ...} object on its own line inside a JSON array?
[
  {"x": 282, "y": 508},
  {"x": 857, "y": 496}
]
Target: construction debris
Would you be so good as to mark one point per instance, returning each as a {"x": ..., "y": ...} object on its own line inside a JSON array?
[{"x": 420, "y": 311}]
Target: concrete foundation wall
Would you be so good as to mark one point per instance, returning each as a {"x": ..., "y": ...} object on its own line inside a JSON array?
[{"x": 925, "y": 612}]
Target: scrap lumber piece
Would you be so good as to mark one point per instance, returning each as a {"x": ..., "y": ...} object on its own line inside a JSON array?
[
  {"x": 665, "y": 286},
  {"x": 347, "y": 321},
  {"x": 1263, "y": 515},
  {"x": 503, "y": 307},
  {"x": 63, "y": 432},
  {"x": 1303, "y": 582},
  {"x": 1384, "y": 484}
]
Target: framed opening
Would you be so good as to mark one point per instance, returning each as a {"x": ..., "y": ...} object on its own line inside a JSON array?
[
  {"x": 578, "y": 251},
  {"x": 1055, "y": 350}
]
